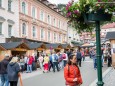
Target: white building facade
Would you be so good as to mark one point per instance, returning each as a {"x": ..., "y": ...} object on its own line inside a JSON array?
[
  {"x": 9, "y": 19},
  {"x": 73, "y": 35}
]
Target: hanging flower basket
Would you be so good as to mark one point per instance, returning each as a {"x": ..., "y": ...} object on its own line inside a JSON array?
[
  {"x": 97, "y": 17},
  {"x": 84, "y": 11}
]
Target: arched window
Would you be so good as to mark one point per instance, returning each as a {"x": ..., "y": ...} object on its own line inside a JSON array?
[
  {"x": 49, "y": 19},
  {"x": 24, "y": 29},
  {"x": 23, "y": 7},
  {"x": 33, "y": 12},
  {"x": 34, "y": 31}
]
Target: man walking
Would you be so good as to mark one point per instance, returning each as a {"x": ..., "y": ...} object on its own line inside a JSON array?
[
  {"x": 3, "y": 71},
  {"x": 79, "y": 58},
  {"x": 55, "y": 61}
]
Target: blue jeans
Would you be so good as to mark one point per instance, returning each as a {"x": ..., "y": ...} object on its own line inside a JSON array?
[
  {"x": 4, "y": 80},
  {"x": 29, "y": 68},
  {"x": 95, "y": 62}
]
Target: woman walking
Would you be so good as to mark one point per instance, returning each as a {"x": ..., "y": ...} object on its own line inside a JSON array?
[
  {"x": 46, "y": 62},
  {"x": 72, "y": 73},
  {"x": 13, "y": 69},
  {"x": 22, "y": 63},
  {"x": 41, "y": 61}
]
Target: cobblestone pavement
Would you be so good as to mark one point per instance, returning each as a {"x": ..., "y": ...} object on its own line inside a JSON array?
[{"x": 109, "y": 79}]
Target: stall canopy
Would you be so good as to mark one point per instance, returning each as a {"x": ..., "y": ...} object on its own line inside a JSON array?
[
  {"x": 2, "y": 48},
  {"x": 66, "y": 46},
  {"x": 87, "y": 45},
  {"x": 54, "y": 46},
  {"x": 17, "y": 46},
  {"x": 38, "y": 46}
]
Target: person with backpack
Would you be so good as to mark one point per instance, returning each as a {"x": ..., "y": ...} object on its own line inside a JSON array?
[
  {"x": 3, "y": 71},
  {"x": 65, "y": 58},
  {"x": 79, "y": 57},
  {"x": 72, "y": 73},
  {"x": 55, "y": 59},
  {"x": 13, "y": 70}
]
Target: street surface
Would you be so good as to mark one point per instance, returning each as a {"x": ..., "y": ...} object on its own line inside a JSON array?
[{"x": 37, "y": 78}]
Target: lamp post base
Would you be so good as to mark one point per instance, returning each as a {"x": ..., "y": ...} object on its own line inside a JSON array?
[{"x": 100, "y": 83}]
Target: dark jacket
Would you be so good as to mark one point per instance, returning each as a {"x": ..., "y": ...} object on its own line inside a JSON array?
[
  {"x": 13, "y": 70},
  {"x": 3, "y": 66},
  {"x": 78, "y": 55}
]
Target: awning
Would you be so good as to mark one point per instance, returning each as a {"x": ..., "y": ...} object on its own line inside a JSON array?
[
  {"x": 87, "y": 45},
  {"x": 37, "y": 46},
  {"x": 65, "y": 46},
  {"x": 54, "y": 46},
  {"x": 18, "y": 46}
]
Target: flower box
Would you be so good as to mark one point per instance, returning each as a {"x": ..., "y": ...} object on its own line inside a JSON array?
[{"x": 97, "y": 17}]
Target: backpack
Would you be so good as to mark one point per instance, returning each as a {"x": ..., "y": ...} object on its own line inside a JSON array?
[
  {"x": 55, "y": 57},
  {"x": 64, "y": 56}
]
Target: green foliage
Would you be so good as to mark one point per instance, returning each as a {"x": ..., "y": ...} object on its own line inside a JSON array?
[{"x": 75, "y": 12}]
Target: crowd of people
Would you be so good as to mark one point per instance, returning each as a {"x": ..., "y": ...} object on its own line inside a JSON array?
[{"x": 11, "y": 67}]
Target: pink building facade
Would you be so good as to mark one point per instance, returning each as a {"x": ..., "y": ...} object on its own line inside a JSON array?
[{"x": 40, "y": 20}]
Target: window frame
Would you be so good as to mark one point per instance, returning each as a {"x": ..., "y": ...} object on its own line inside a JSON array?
[
  {"x": 9, "y": 5},
  {"x": 33, "y": 12},
  {"x": 49, "y": 36},
  {"x": 34, "y": 32},
  {"x": 23, "y": 7},
  {"x": 42, "y": 15},
  {"x": 0, "y": 28},
  {"x": 0, "y": 3},
  {"x": 23, "y": 29},
  {"x": 10, "y": 30},
  {"x": 42, "y": 33}
]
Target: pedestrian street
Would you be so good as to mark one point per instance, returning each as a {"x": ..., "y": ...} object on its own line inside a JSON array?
[{"x": 38, "y": 78}]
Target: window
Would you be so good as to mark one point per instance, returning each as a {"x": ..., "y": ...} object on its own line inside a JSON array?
[
  {"x": 54, "y": 22},
  {"x": 33, "y": 12},
  {"x": 49, "y": 19},
  {"x": 24, "y": 29},
  {"x": 9, "y": 5},
  {"x": 9, "y": 30},
  {"x": 34, "y": 31},
  {"x": 54, "y": 36},
  {"x": 42, "y": 33},
  {"x": 0, "y": 3},
  {"x": 59, "y": 38},
  {"x": 48, "y": 35},
  {"x": 42, "y": 16},
  {"x": 59, "y": 24},
  {"x": 23, "y": 7},
  {"x": 0, "y": 28}
]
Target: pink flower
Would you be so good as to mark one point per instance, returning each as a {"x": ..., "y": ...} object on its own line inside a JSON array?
[
  {"x": 68, "y": 14},
  {"x": 76, "y": 11}
]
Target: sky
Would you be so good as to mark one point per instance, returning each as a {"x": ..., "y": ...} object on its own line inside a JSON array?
[{"x": 59, "y": 1}]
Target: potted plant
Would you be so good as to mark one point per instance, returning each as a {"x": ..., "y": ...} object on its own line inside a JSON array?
[{"x": 82, "y": 12}]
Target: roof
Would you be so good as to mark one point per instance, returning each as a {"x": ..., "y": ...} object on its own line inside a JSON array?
[
  {"x": 110, "y": 35},
  {"x": 66, "y": 46},
  {"x": 2, "y": 48},
  {"x": 35, "y": 45},
  {"x": 12, "y": 45},
  {"x": 53, "y": 46},
  {"x": 109, "y": 25}
]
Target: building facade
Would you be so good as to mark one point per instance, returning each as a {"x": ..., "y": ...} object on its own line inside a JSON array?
[
  {"x": 42, "y": 20},
  {"x": 9, "y": 19},
  {"x": 110, "y": 27},
  {"x": 73, "y": 36}
]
